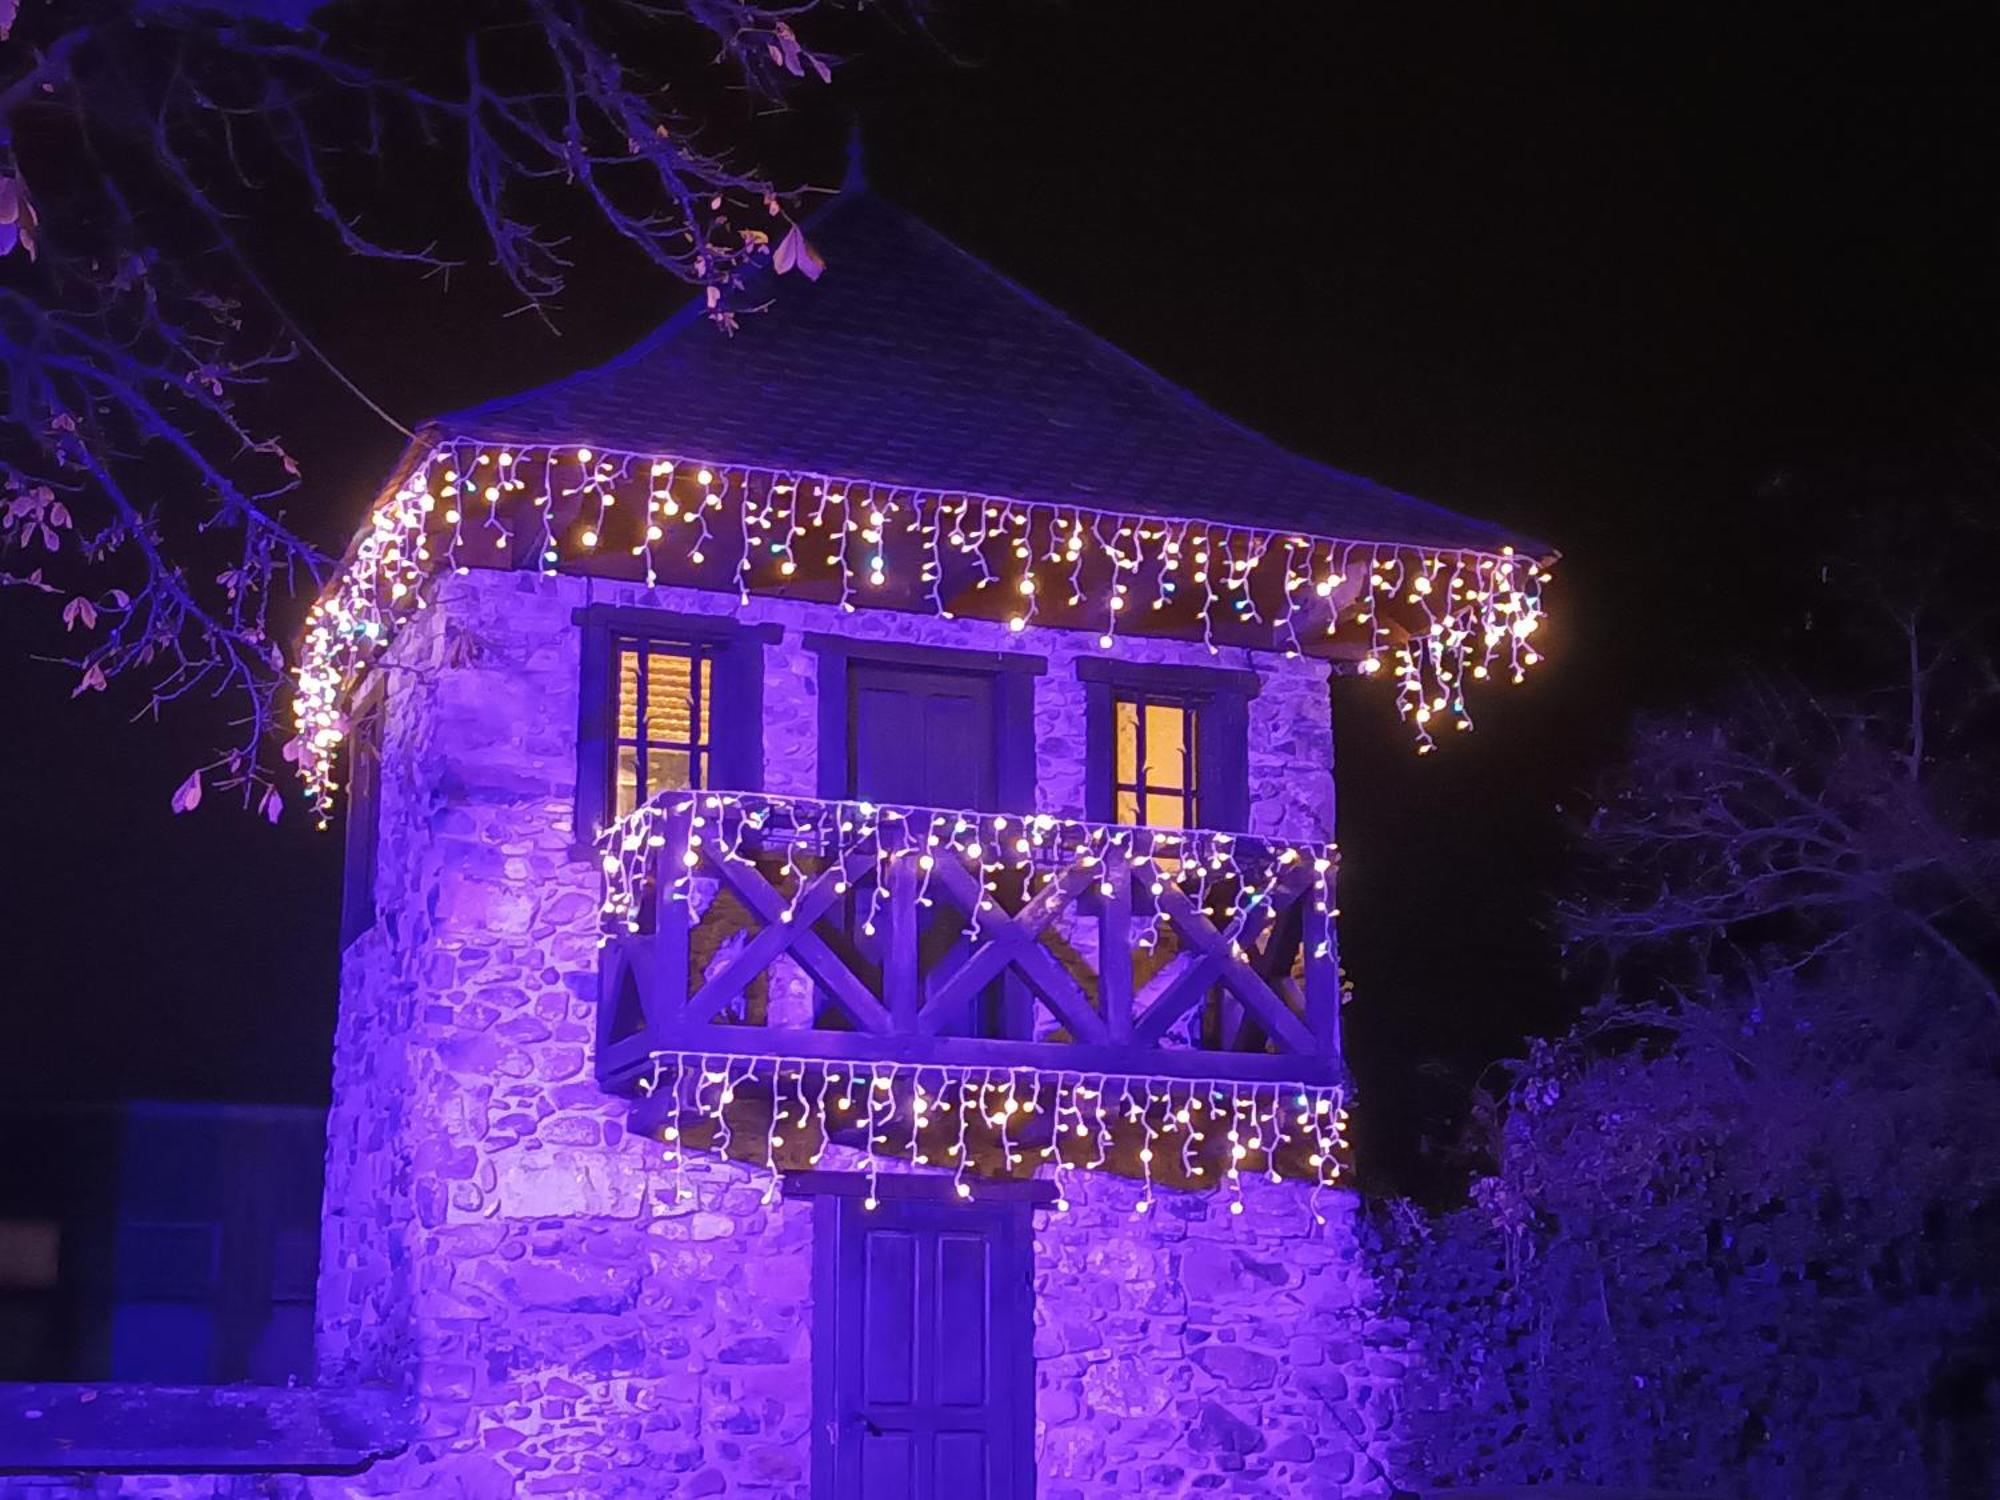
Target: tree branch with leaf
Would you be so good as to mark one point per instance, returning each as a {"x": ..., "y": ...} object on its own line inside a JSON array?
[{"x": 143, "y": 499}]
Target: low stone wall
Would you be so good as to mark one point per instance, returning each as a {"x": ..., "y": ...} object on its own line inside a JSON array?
[{"x": 64, "y": 1439}]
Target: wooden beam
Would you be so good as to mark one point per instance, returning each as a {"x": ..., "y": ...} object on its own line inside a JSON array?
[
  {"x": 796, "y": 938},
  {"x": 1322, "y": 975},
  {"x": 1238, "y": 977},
  {"x": 1172, "y": 993},
  {"x": 1051, "y": 1058},
  {"x": 922, "y": 1187},
  {"x": 903, "y": 925},
  {"x": 1012, "y": 941},
  {"x": 1114, "y": 949}
]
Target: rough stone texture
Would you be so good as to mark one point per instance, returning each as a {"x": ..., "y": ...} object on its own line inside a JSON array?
[
  {"x": 518, "y": 1269},
  {"x": 1191, "y": 1350}
]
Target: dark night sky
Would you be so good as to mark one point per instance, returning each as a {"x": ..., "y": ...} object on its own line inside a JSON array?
[{"x": 1597, "y": 271}]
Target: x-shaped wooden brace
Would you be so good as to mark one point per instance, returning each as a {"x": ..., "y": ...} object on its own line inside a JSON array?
[
  {"x": 1204, "y": 961},
  {"x": 1008, "y": 942},
  {"x": 793, "y": 936}
]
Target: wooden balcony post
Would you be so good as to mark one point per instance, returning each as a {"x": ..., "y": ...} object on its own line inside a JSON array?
[
  {"x": 1114, "y": 948},
  {"x": 902, "y": 988},
  {"x": 1322, "y": 976},
  {"x": 666, "y": 994}
]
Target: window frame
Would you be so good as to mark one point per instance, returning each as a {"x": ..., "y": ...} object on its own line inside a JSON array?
[
  {"x": 1220, "y": 700},
  {"x": 699, "y": 747},
  {"x": 735, "y": 753},
  {"x": 1142, "y": 789}
]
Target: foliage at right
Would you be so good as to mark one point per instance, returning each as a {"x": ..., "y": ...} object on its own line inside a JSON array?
[{"x": 1739, "y": 1230}]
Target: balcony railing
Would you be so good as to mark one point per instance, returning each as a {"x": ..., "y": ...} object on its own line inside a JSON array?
[{"x": 744, "y": 925}]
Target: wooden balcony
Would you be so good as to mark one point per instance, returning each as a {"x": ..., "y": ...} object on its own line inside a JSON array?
[{"x": 793, "y": 929}]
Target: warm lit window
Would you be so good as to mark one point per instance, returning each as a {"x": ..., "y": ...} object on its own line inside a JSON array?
[
  {"x": 666, "y": 702},
  {"x": 1154, "y": 761},
  {"x": 1167, "y": 746},
  {"x": 660, "y": 742}
]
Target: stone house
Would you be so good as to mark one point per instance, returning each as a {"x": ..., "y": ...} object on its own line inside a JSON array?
[{"x": 840, "y": 995}]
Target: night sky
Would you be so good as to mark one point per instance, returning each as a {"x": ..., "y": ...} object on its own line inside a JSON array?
[{"x": 1656, "y": 282}]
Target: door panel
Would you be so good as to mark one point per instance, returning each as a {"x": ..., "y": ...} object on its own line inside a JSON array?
[
  {"x": 924, "y": 1341},
  {"x": 964, "y": 1302},
  {"x": 962, "y": 1469},
  {"x": 920, "y": 736},
  {"x": 889, "y": 1359},
  {"x": 888, "y": 1464}
]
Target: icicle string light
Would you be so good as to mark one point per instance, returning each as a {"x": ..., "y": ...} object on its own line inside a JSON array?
[
  {"x": 1208, "y": 865},
  {"x": 1459, "y": 614},
  {"x": 1052, "y": 1121}
]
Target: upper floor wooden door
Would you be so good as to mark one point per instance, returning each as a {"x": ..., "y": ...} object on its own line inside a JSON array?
[
  {"x": 923, "y": 1351},
  {"x": 929, "y": 737},
  {"x": 920, "y": 735}
]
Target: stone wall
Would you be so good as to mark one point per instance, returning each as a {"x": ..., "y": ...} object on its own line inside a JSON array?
[
  {"x": 518, "y": 1268},
  {"x": 1246, "y": 1354}
]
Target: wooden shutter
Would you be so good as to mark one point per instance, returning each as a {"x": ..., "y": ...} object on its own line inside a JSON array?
[{"x": 1002, "y": 779}]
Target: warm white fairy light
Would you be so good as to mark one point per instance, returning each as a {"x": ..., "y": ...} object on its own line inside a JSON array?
[
  {"x": 1099, "y": 1117},
  {"x": 1206, "y": 865},
  {"x": 1471, "y": 611}
]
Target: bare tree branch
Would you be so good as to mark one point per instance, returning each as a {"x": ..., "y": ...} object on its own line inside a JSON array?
[
  {"x": 1806, "y": 825},
  {"x": 136, "y": 497}
]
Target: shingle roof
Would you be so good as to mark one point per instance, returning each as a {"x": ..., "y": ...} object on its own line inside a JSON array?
[{"x": 911, "y": 363}]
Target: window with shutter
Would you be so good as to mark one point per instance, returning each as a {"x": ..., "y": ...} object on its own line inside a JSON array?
[
  {"x": 667, "y": 702},
  {"x": 1156, "y": 760},
  {"x": 1166, "y": 746},
  {"x": 666, "y": 693}
]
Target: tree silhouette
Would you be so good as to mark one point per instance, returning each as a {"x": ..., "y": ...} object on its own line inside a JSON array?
[
  {"x": 1793, "y": 824},
  {"x": 138, "y": 497}
]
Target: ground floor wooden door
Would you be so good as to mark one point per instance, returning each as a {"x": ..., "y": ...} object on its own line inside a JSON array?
[{"x": 923, "y": 1350}]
